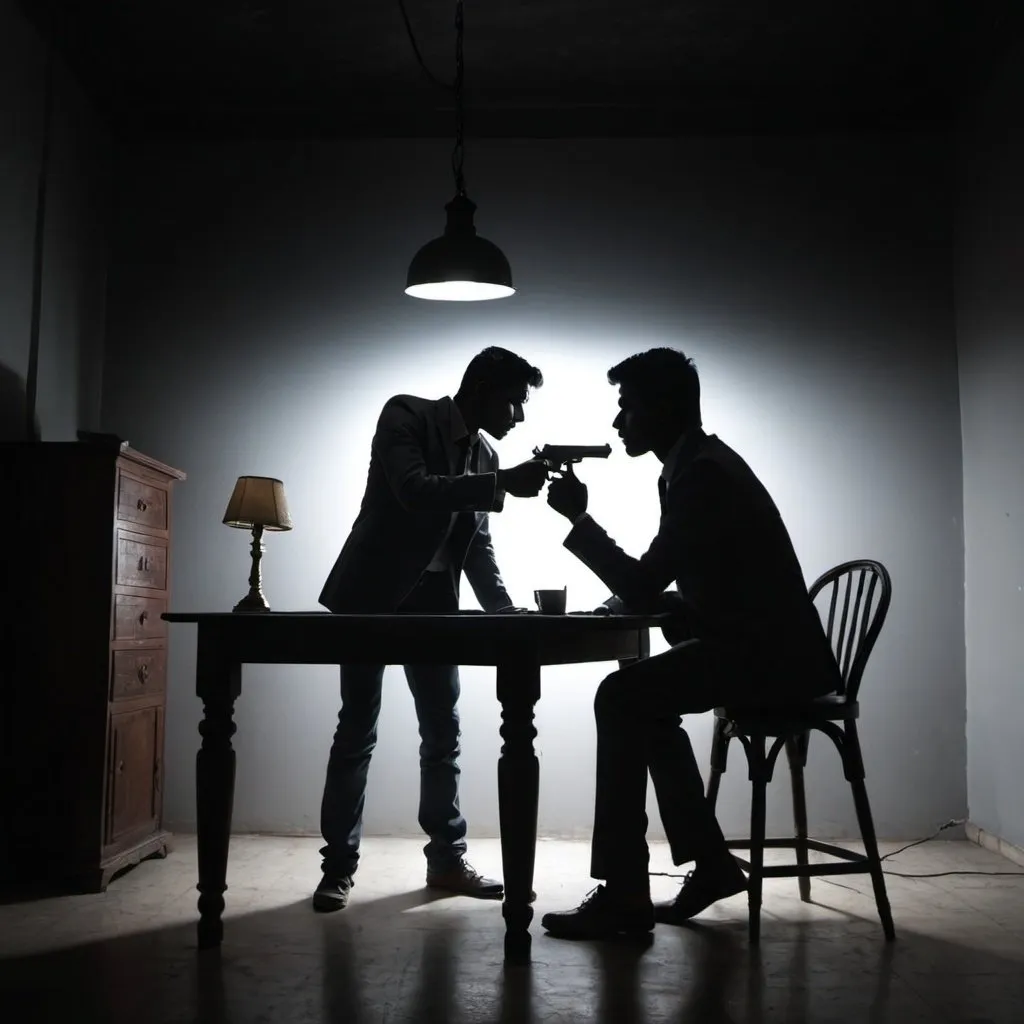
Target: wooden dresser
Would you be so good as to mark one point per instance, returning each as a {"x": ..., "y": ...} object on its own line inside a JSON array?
[{"x": 85, "y": 578}]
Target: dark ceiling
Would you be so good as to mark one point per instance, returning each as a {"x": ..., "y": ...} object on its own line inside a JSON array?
[{"x": 533, "y": 67}]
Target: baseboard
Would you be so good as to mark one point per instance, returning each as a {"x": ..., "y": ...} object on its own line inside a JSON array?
[{"x": 994, "y": 843}]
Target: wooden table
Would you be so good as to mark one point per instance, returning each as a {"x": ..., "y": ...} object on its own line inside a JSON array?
[{"x": 517, "y": 645}]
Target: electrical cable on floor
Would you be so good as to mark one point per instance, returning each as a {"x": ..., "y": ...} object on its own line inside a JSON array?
[
  {"x": 928, "y": 874},
  {"x": 898, "y": 874},
  {"x": 942, "y": 874}
]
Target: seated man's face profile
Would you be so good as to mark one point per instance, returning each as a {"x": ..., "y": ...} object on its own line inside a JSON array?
[{"x": 636, "y": 422}]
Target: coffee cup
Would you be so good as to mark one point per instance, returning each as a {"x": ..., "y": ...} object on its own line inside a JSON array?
[{"x": 550, "y": 602}]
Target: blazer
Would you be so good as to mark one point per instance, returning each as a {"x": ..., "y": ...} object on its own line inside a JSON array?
[
  {"x": 413, "y": 487},
  {"x": 722, "y": 540}
]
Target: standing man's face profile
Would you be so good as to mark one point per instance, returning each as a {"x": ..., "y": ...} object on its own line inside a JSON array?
[{"x": 500, "y": 410}]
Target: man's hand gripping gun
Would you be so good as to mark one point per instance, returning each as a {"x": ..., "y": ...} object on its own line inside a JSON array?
[{"x": 561, "y": 456}]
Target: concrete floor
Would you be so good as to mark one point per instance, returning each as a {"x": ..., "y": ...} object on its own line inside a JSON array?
[{"x": 400, "y": 954}]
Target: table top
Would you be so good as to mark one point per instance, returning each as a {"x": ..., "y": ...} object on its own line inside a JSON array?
[
  {"x": 501, "y": 620},
  {"x": 467, "y": 638},
  {"x": 462, "y": 614}
]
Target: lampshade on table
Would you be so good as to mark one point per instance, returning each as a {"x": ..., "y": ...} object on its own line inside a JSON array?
[{"x": 257, "y": 503}]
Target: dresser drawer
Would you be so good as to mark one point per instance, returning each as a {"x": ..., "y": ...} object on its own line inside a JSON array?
[
  {"x": 137, "y": 673},
  {"x": 138, "y": 618},
  {"x": 140, "y": 562},
  {"x": 140, "y": 502}
]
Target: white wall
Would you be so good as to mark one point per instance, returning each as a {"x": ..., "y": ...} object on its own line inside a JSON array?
[
  {"x": 74, "y": 268},
  {"x": 257, "y": 322},
  {"x": 990, "y": 342}
]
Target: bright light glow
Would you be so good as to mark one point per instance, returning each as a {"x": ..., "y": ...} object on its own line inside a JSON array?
[{"x": 459, "y": 291}]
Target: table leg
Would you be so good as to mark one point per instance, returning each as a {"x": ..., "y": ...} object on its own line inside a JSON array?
[
  {"x": 643, "y": 648},
  {"x": 218, "y": 683},
  {"x": 518, "y": 783}
]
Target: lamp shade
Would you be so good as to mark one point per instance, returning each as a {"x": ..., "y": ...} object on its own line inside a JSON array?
[
  {"x": 258, "y": 501},
  {"x": 459, "y": 266}
]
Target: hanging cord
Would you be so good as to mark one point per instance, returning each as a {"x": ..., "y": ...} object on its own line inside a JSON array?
[{"x": 458, "y": 153}]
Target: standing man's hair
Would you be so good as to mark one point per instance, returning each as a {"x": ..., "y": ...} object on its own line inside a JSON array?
[
  {"x": 665, "y": 378},
  {"x": 497, "y": 368}
]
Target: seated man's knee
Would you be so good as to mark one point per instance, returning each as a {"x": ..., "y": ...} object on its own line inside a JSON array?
[{"x": 611, "y": 696}]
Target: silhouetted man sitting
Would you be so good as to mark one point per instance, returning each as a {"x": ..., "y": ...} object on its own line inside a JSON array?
[
  {"x": 747, "y": 634},
  {"x": 432, "y": 482}
]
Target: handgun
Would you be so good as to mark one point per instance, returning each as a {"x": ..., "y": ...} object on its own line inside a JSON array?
[{"x": 558, "y": 456}]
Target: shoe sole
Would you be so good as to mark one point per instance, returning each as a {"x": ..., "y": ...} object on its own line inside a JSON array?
[
  {"x": 645, "y": 935},
  {"x": 668, "y": 913},
  {"x": 474, "y": 893},
  {"x": 327, "y": 905}
]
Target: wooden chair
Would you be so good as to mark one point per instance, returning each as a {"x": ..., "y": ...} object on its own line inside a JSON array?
[{"x": 858, "y": 603}]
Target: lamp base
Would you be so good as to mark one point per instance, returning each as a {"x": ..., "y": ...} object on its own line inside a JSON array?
[{"x": 252, "y": 603}]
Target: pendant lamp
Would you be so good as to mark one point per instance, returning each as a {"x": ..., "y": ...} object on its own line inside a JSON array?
[{"x": 458, "y": 266}]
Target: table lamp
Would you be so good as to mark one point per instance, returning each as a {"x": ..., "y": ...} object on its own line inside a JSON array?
[{"x": 257, "y": 503}]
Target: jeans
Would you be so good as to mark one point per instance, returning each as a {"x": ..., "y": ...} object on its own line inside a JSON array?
[{"x": 435, "y": 691}]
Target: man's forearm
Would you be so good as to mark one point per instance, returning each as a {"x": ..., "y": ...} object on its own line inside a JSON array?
[{"x": 622, "y": 574}]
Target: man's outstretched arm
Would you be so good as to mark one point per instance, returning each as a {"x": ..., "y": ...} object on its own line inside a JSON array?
[{"x": 690, "y": 520}]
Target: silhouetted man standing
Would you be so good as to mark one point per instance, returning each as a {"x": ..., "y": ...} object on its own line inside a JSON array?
[
  {"x": 423, "y": 522},
  {"x": 748, "y": 632}
]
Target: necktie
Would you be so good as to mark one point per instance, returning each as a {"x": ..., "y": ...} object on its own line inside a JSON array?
[{"x": 662, "y": 491}]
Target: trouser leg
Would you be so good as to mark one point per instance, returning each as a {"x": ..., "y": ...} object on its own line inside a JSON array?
[
  {"x": 341, "y": 810},
  {"x": 619, "y": 847},
  {"x": 637, "y": 711},
  {"x": 435, "y": 690}
]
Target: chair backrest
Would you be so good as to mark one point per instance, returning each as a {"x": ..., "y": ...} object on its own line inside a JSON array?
[{"x": 858, "y": 595}]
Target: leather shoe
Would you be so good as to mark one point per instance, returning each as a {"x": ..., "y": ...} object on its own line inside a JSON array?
[
  {"x": 699, "y": 890},
  {"x": 462, "y": 879},
  {"x": 332, "y": 893},
  {"x": 601, "y": 916}
]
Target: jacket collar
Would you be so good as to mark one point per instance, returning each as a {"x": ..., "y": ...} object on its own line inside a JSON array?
[
  {"x": 683, "y": 452},
  {"x": 450, "y": 422}
]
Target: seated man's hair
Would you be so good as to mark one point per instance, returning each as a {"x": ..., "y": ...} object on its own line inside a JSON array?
[
  {"x": 662, "y": 377},
  {"x": 497, "y": 368}
]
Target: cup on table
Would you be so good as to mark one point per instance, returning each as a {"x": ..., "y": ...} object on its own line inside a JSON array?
[{"x": 550, "y": 602}]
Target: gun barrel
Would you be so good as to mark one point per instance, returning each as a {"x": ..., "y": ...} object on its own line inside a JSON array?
[{"x": 563, "y": 453}]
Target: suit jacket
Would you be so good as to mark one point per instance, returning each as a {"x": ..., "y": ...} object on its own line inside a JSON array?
[
  {"x": 722, "y": 540},
  {"x": 412, "y": 488}
]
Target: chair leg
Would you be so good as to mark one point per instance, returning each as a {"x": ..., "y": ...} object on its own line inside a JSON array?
[
  {"x": 796, "y": 753},
  {"x": 719, "y": 759},
  {"x": 855, "y": 775},
  {"x": 758, "y": 797}
]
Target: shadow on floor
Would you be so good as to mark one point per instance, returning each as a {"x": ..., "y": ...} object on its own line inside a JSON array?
[{"x": 418, "y": 959}]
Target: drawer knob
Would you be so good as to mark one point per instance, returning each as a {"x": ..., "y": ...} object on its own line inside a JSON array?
[
  {"x": 143, "y": 564},
  {"x": 120, "y": 767},
  {"x": 142, "y": 506},
  {"x": 143, "y": 673},
  {"x": 143, "y": 617}
]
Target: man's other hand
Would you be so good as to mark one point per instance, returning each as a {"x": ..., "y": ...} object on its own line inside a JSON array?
[
  {"x": 524, "y": 480},
  {"x": 567, "y": 494}
]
